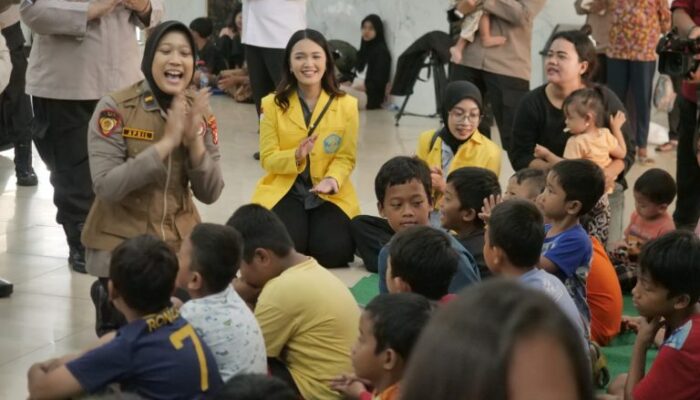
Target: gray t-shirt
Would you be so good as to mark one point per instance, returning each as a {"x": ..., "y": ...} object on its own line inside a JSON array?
[
  {"x": 228, "y": 327},
  {"x": 553, "y": 287}
]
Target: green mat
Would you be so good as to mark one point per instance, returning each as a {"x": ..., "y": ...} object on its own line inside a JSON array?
[
  {"x": 365, "y": 289},
  {"x": 618, "y": 352}
]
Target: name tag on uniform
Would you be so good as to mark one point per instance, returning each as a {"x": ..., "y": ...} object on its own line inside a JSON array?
[{"x": 140, "y": 134}]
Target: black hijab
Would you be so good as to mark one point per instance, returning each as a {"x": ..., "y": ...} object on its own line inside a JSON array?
[
  {"x": 454, "y": 93},
  {"x": 149, "y": 53},
  {"x": 370, "y": 48}
]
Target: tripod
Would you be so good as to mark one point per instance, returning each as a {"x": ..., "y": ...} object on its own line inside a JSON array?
[{"x": 437, "y": 69}]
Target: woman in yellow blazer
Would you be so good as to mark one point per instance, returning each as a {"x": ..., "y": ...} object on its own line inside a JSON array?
[
  {"x": 308, "y": 144},
  {"x": 458, "y": 143}
]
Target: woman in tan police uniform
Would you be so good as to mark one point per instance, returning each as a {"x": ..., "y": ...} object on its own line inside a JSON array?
[{"x": 151, "y": 146}]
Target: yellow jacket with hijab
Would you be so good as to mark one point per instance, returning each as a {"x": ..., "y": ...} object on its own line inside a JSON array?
[
  {"x": 333, "y": 154},
  {"x": 478, "y": 151}
]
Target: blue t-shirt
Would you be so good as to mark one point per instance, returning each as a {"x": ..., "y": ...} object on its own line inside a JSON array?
[
  {"x": 467, "y": 271},
  {"x": 543, "y": 281},
  {"x": 571, "y": 252},
  {"x": 157, "y": 357}
]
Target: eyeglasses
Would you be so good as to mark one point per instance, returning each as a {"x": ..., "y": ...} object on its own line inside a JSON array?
[{"x": 460, "y": 115}]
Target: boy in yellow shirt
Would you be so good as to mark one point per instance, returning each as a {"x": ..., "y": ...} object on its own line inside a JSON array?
[{"x": 308, "y": 317}]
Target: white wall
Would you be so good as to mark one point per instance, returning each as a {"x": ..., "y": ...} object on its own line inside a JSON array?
[
  {"x": 185, "y": 10},
  {"x": 407, "y": 20}
]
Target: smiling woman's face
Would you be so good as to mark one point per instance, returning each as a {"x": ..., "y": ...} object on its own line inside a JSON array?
[
  {"x": 308, "y": 62},
  {"x": 173, "y": 63}
]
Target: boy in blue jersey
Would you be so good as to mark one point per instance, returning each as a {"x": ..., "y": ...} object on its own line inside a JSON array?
[
  {"x": 157, "y": 354},
  {"x": 572, "y": 189}
]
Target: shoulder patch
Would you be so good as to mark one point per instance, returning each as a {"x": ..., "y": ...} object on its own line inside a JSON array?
[
  {"x": 108, "y": 121},
  {"x": 212, "y": 124}
]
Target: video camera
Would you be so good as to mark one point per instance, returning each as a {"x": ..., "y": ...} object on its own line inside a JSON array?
[{"x": 676, "y": 54}]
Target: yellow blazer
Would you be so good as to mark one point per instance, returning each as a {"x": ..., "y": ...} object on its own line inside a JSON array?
[
  {"x": 333, "y": 154},
  {"x": 478, "y": 151}
]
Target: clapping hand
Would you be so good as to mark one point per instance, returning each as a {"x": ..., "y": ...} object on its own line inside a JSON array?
[
  {"x": 195, "y": 125},
  {"x": 305, "y": 148}
]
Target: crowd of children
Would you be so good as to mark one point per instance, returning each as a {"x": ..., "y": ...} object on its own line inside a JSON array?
[{"x": 501, "y": 296}]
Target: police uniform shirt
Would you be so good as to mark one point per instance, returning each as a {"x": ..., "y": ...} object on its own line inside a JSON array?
[{"x": 159, "y": 357}]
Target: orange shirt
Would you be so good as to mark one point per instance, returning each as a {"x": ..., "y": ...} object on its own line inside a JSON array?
[{"x": 604, "y": 296}]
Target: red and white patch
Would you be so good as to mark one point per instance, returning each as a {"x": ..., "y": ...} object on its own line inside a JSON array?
[
  {"x": 108, "y": 121},
  {"x": 211, "y": 122}
]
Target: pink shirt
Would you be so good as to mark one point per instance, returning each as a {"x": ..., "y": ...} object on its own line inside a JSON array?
[{"x": 641, "y": 230}]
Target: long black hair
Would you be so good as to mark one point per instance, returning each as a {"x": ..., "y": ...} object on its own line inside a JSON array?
[
  {"x": 289, "y": 83},
  {"x": 149, "y": 53},
  {"x": 368, "y": 47},
  {"x": 465, "y": 351}
]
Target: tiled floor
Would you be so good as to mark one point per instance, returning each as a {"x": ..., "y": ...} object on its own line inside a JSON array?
[{"x": 50, "y": 312}]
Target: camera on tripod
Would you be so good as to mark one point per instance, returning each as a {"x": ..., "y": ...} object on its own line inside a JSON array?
[{"x": 676, "y": 54}]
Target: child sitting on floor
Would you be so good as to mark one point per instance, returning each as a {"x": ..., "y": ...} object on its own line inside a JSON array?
[
  {"x": 389, "y": 327},
  {"x": 666, "y": 295},
  {"x": 525, "y": 184},
  {"x": 209, "y": 260},
  {"x": 514, "y": 237},
  {"x": 498, "y": 340},
  {"x": 573, "y": 188},
  {"x": 421, "y": 261},
  {"x": 157, "y": 355},
  {"x": 403, "y": 187},
  {"x": 308, "y": 317},
  {"x": 466, "y": 189},
  {"x": 654, "y": 191}
]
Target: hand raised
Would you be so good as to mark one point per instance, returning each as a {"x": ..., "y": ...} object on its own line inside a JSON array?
[
  {"x": 195, "y": 125},
  {"x": 176, "y": 120},
  {"x": 305, "y": 147},
  {"x": 617, "y": 120}
]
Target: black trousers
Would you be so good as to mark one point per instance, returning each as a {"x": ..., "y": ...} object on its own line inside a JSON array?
[
  {"x": 265, "y": 70},
  {"x": 322, "y": 233},
  {"x": 370, "y": 234},
  {"x": 502, "y": 92},
  {"x": 60, "y": 134},
  {"x": 687, "y": 168},
  {"x": 15, "y": 106}
]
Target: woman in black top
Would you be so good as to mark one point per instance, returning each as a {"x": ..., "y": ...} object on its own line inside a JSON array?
[
  {"x": 373, "y": 61},
  {"x": 539, "y": 119},
  {"x": 229, "y": 42}
]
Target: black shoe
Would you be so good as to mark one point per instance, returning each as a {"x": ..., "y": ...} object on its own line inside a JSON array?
[
  {"x": 107, "y": 317},
  {"x": 5, "y": 288},
  {"x": 256, "y": 155},
  {"x": 26, "y": 178},
  {"x": 76, "y": 260}
]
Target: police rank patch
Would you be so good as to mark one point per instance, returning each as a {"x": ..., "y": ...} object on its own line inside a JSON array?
[
  {"x": 108, "y": 121},
  {"x": 211, "y": 123},
  {"x": 332, "y": 143},
  {"x": 140, "y": 134}
]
